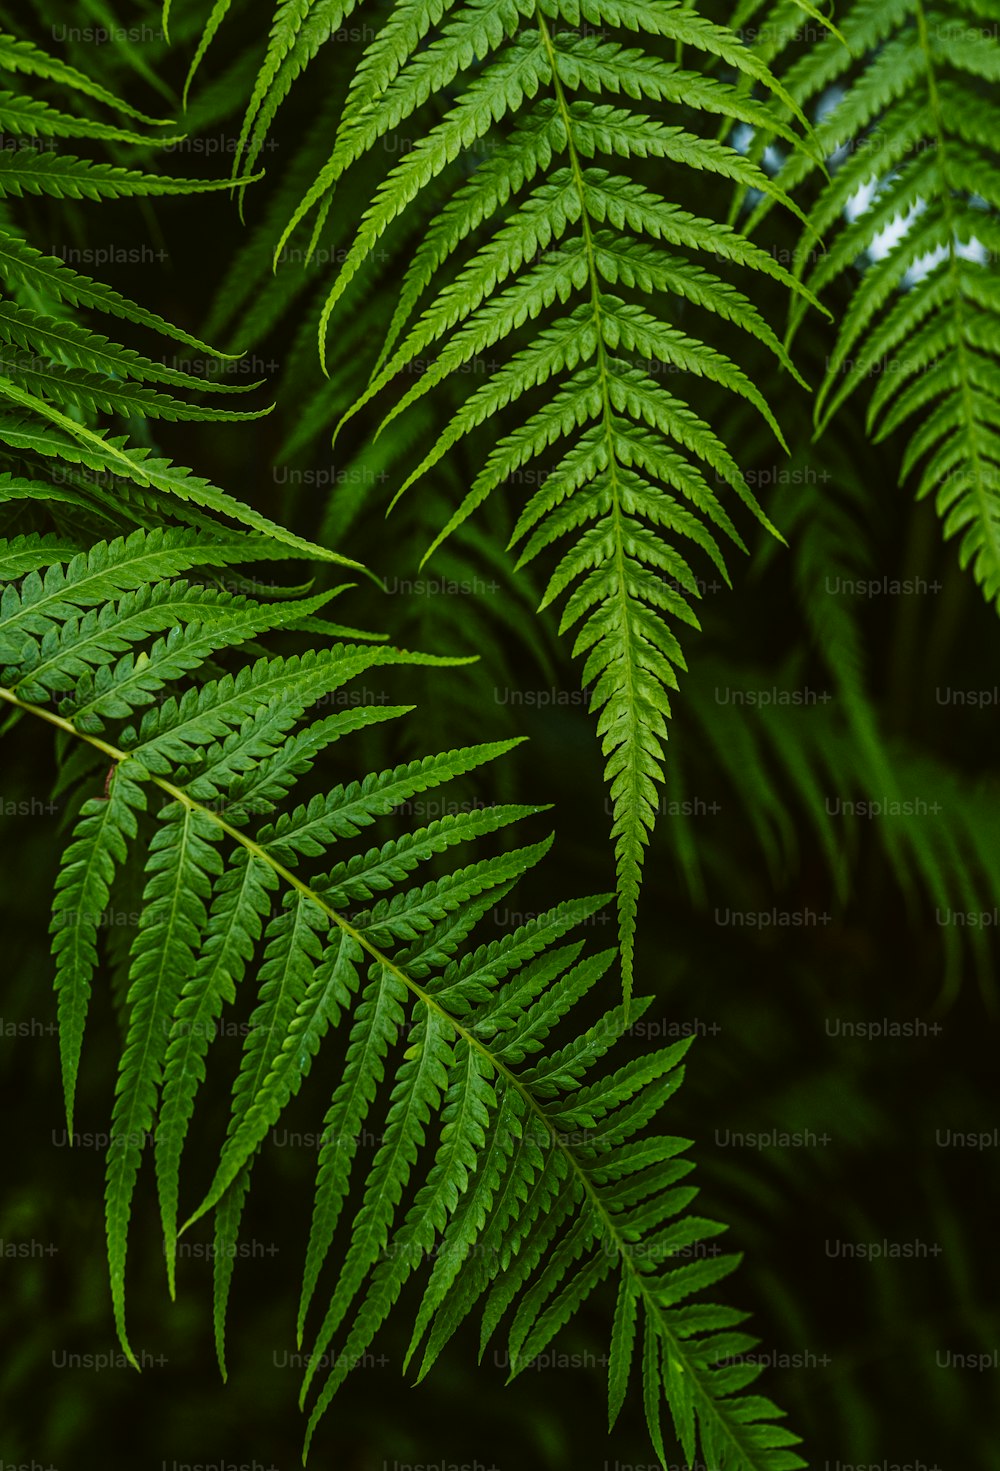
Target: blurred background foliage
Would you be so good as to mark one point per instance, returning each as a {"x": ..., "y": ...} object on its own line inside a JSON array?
[{"x": 771, "y": 921}]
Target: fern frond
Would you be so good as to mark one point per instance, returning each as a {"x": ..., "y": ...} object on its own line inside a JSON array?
[
  {"x": 113, "y": 457},
  {"x": 138, "y": 561},
  {"x": 915, "y": 199},
  {"x": 463, "y": 1045},
  {"x": 93, "y": 353},
  {"x": 22, "y": 265},
  {"x": 30, "y": 117},
  {"x": 105, "y": 827},
  {"x": 20, "y": 56},
  {"x": 181, "y": 864},
  {"x": 57, "y": 376},
  {"x": 88, "y": 391},
  {"x": 61, "y": 176},
  {"x": 552, "y": 263}
]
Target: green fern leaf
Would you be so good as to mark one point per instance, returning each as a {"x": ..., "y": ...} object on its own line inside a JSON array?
[
  {"x": 181, "y": 862},
  {"x": 501, "y": 1128},
  {"x": 915, "y": 111},
  {"x": 17, "y": 55},
  {"x": 521, "y": 262},
  {"x": 105, "y": 827}
]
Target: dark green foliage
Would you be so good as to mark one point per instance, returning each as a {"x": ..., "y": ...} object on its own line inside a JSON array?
[
  {"x": 542, "y": 221},
  {"x": 913, "y": 125},
  {"x": 543, "y": 235},
  {"x": 542, "y": 1168}
]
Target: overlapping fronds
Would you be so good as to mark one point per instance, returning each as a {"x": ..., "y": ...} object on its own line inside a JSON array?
[
  {"x": 553, "y": 270},
  {"x": 833, "y": 773},
  {"x": 58, "y": 376},
  {"x": 819, "y": 785},
  {"x": 511, "y": 1165},
  {"x": 908, "y": 114}
]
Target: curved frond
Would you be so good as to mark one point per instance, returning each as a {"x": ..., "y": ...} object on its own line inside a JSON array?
[
  {"x": 911, "y": 120},
  {"x": 489, "y": 1102},
  {"x": 555, "y": 274}
]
